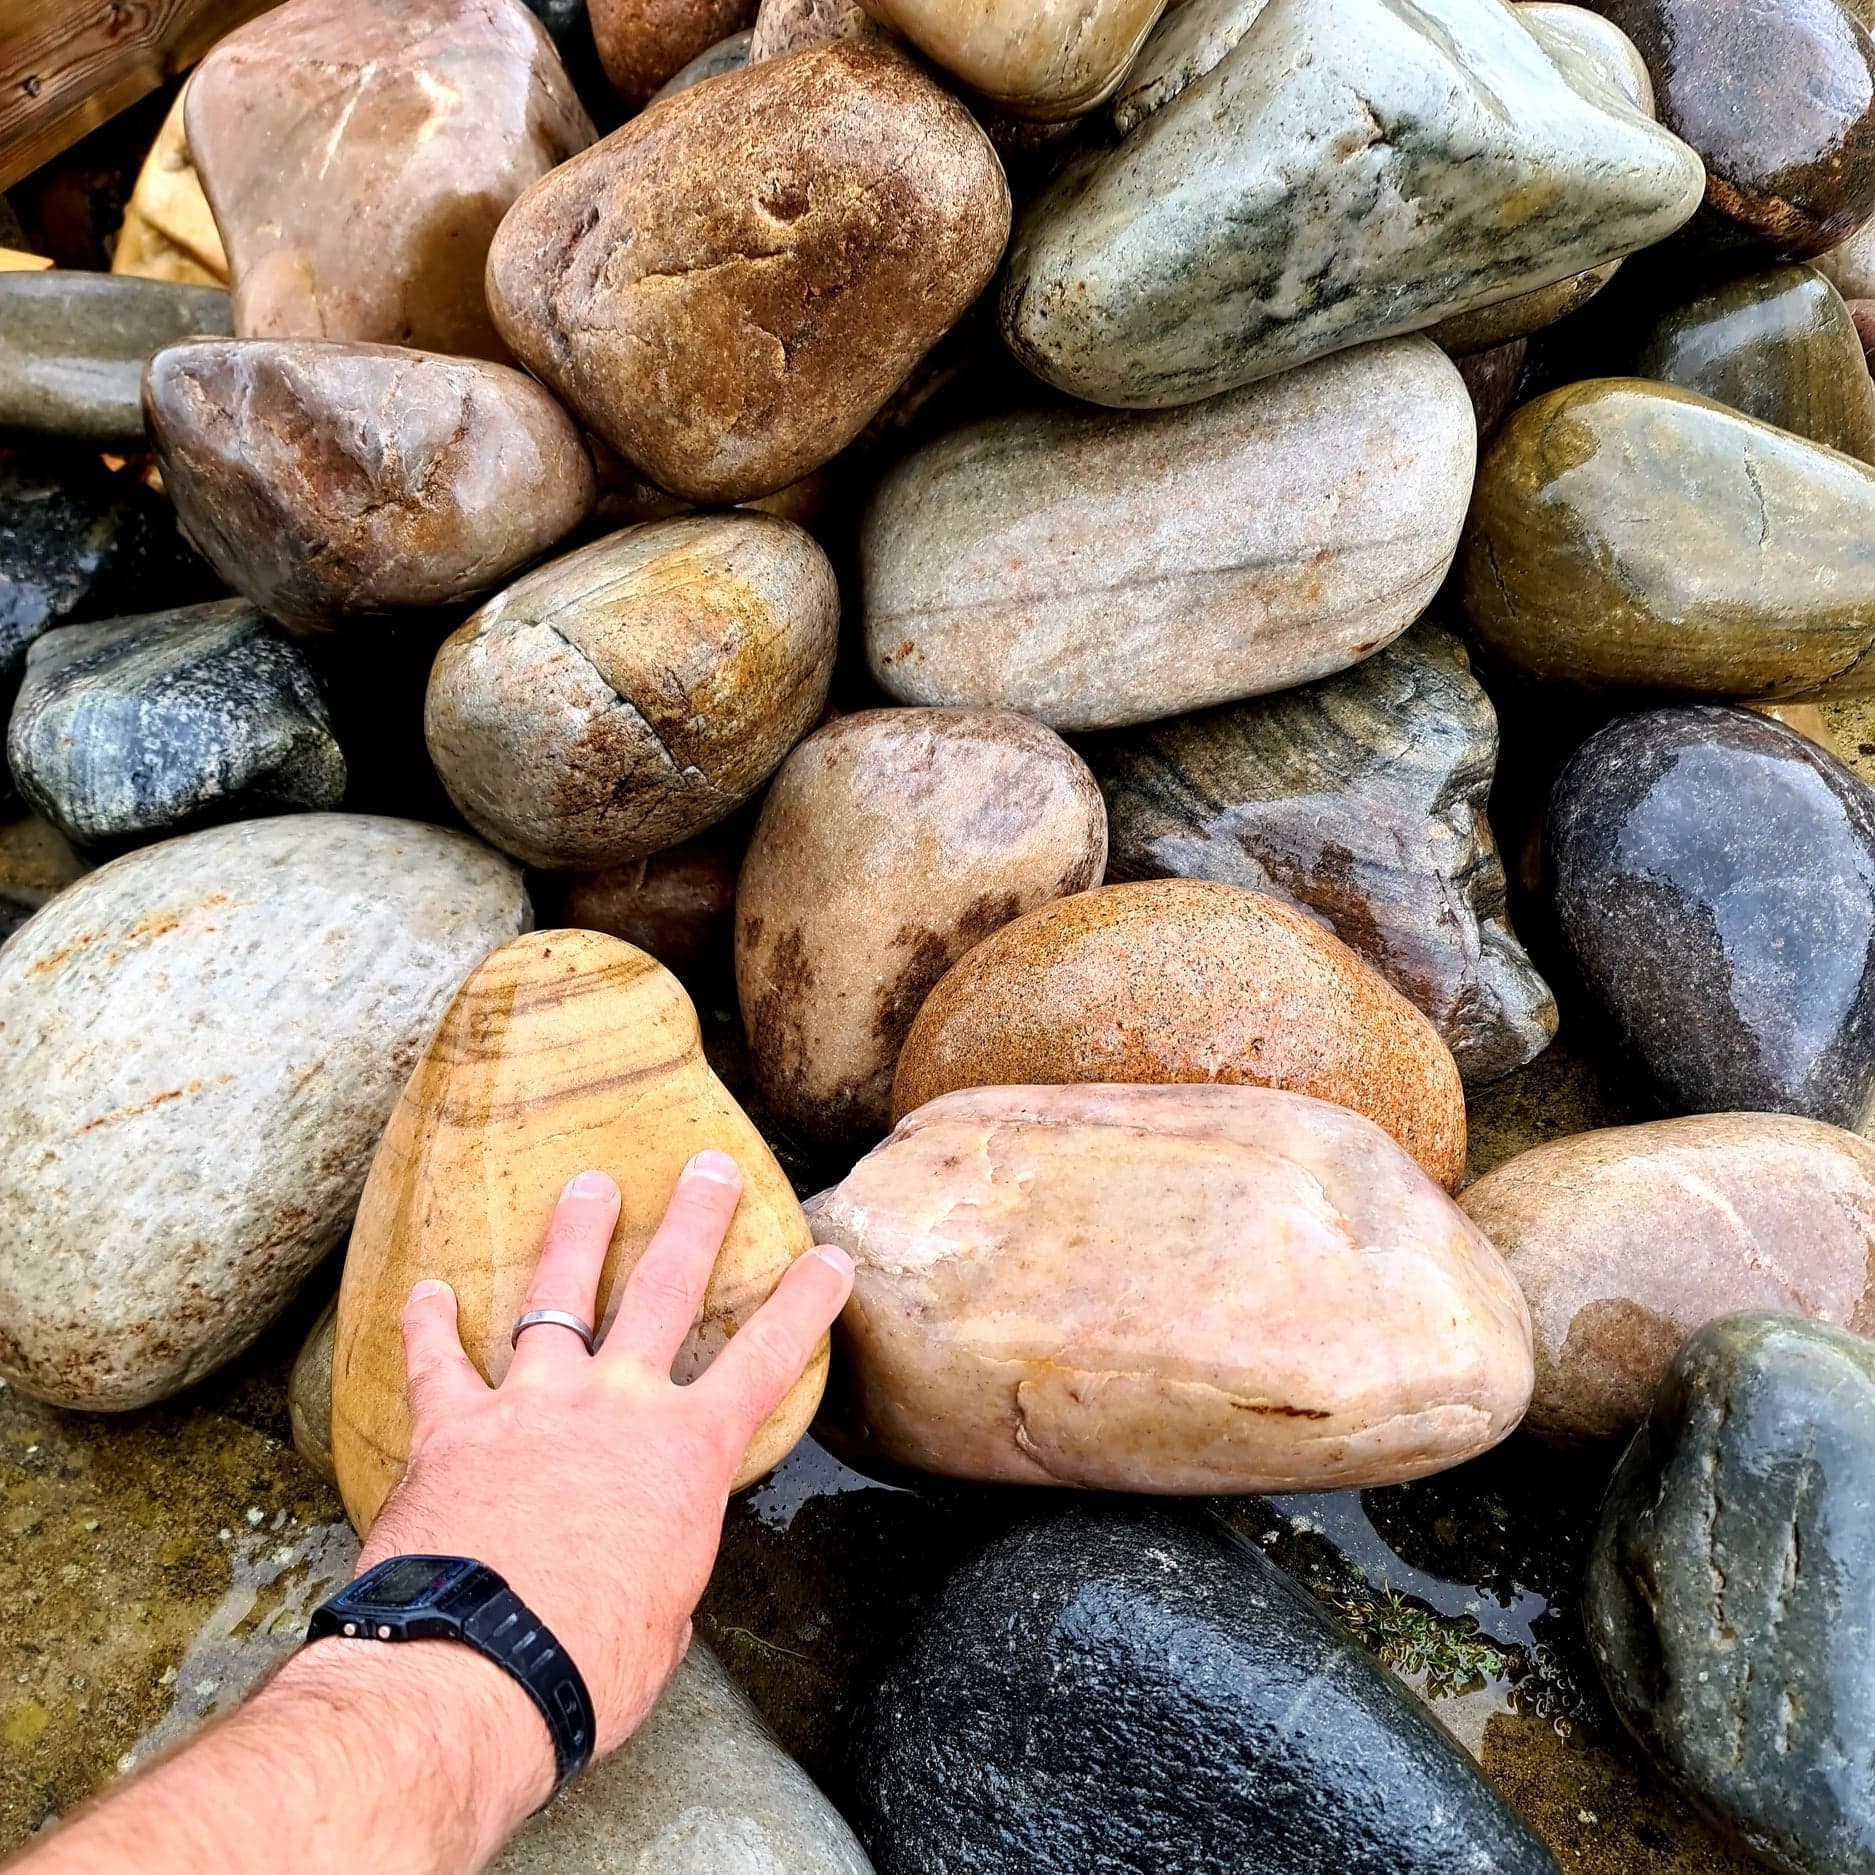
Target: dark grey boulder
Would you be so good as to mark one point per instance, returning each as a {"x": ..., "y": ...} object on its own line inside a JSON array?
[
  {"x": 1730, "y": 1598},
  {"x": 137, "y": 728},
  {"x": 1713, "y": 875},
  {"x": 1130, "y": 1690}
]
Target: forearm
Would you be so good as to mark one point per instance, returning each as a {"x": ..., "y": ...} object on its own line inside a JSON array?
[{"x": 417, "y": 1759}]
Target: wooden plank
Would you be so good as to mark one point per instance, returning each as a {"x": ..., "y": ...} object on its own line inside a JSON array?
[{"x": 67, "y": 65}]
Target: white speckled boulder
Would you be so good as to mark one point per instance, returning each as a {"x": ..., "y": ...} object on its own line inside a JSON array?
[{"x": 199, "y": 1045}]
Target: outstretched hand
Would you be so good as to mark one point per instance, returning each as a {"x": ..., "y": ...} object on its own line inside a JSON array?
[{"x": 592, "y": 1482}]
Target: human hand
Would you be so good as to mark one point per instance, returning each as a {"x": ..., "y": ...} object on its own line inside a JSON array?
[{"x": 591, "y": 1482}]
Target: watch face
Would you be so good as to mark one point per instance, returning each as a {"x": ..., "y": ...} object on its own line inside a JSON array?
[{"x": 411, "y": 1581}]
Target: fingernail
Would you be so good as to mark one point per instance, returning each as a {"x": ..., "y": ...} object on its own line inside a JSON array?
[
  {"x": 717, "y": 1166},
  {"x": 588, "y": 1185},
  {"x": 427, "y": 1288},
  {"x": 833, "y": 1254}
]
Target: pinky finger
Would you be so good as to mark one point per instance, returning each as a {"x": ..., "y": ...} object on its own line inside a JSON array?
[{"x": 770, "y": 1352}]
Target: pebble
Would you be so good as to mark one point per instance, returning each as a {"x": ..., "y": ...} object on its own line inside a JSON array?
[
  {"x": 1169, "y": 1289},
  {"x": 1254, "y": 541},
  {"x": 626, "y": 697},
  {"x": 1181, "y": 980},
  {"x": 137, "y": 728},
  {"x": 1730, "y": 1596},
  {"x": 701, "y": 1788},
  {"x": 1779, "y": 102},
  {"x": 1633, "y": 534},
  {"x": 309, "y": 1394},
  {"x": 1713, "y": 878},
  {"x": 1626, "y": 1239},
  {"x": 73, "y": 347},
  {"x": 1117, "y": 1687},
  {"x": 1779, "y": 345},
  {"x": 1361, "y": 798},
  {"x": 643, "y": 44},
  {"x": 729, "y": 288},
  {"x": 890, "y": 843},
  {"x": 358, "y": 158},
  {"x": 678, "y": 905},
  {"x": 323, "y": 480},
  {"x": 201, "y": 1043},
  {"x": 565, "y": 1051},
  {"x": 1318, "y": 186},
  {"x": 726, "y": 55},
  {"x": 1057, "y": 59}
]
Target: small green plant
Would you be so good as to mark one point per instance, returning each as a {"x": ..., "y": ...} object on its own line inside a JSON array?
[{"x": 1445, "y": 1655}]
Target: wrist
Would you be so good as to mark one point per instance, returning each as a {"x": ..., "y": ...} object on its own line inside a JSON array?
[{"x": 467, "y": 1731}]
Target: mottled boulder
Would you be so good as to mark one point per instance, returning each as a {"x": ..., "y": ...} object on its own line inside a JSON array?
[
  {"x": 1363, "y": 799},
  {"x": 73, "y": 347},
  {"x": 136, "y": 728},
  {"x": 1730, "y": 1599},
  {"x": 359, "y": 156},
  {"x": 645, "y": 43},
  {"x": 890, "y": 843},
  {"x": 1626, "y": 1239},
  {"x": 995, "y": 560},
  {"x": 625, "y": 697},
  {"x": 1713, "y": 877},
  {"x": 701, "y": 1788},
  {"x": 678, "y": 906},
  {"x": 1123, "y": 1688},
  {"x": 1180, "y": 980},
  {"x": 199, "y": 1045},
  {"x": 1632, "y": 534},
  {"x": 1781, "y": 346},
  {"x": 1324, "y": 1315},
  {"x": 728, "y": 289},
  {"x": 1057, "y": 59},
  {"x": 1779, "y": 101},
  {"x": 563, "y": 1051},
  {"x": 1342, "y": 170},
  {"x": 324, "y": 479}
]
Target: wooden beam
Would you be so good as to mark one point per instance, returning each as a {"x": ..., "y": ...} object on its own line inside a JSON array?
[{"x": 68, "y": 65}]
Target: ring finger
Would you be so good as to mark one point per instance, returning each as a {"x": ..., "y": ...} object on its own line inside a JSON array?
[{"x": 567, "y": 1276}]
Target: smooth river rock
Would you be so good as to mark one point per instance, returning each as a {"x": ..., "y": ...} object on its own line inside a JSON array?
[
  {"x": 645, "y": 43},
  {"x": 726, "y": 55},
  {"x": 627, "y": 696},
  {"x": 37, "y": 863},
  {"x": 1056, "y": 59},
  {"x": 1713, "y": 879},
  {"x": 701, "y": 1788},
  {"x": 1346, "y": 170},
  {"x": 1181, "y": 980},
  {"x": 359, "y": 156},
  {"x": 199, "y": 1046},
  {"x": 140, "y": 727},
  {"x": 1118, "y": 1687},
  {"x": 1363, "y": 799},
  {"x": 564, "y": 1051},
  {"x": 1176, "y": 1289},
  {"x": 679, "y": 905},
  {"x": 325, "y": 479},
  {"x": 309, "y": 1393},
  {"x": 891, "y": 842},
  {"x": 168, "y": 231},
  {"x": 783, "y": 26},
  {"x": 1095, "y": 568},
  {"x": 1779, "y": 345},
  {"x": 1851, "y": 267},
  {"x": 1730, "y": 1598},
  {"x": 728, "y": 289},
  {"x": 1631, "y": 534},
  {"x": 1779, "y": 101},
  {"x": 1626, "y": 1239},
  {"x": 73, "y": 347}
]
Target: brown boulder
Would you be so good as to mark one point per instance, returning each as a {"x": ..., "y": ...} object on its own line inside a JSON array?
[
  {"x": 728, "y": 288},
  {"x": 359, "y": 156},
  {"x": 644, "y": 43},
  {"x": 1183, "y": 980},
  {"x": 678, "y": 906},
  {"x": 623, "y": 698},
  {"x": 890, "y": 843},
  {"x": 322, "y": 479},
  {"x": 1627, "y": 1239}
]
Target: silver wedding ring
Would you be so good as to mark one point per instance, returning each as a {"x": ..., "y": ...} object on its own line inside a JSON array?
[{"x": 558, "y": 1318}]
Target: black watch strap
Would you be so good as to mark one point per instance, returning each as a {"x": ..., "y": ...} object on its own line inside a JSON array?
[{"x": 473, "y": 1605}]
